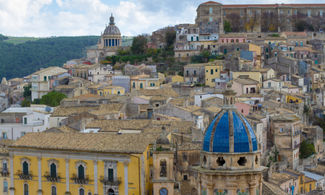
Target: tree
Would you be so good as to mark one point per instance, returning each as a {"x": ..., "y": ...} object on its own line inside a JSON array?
[
  {"x": 27, "y": 91},
  {"x": 227, "y": 26},
  {"x": 53, "y": 98},
  {"x": 306, "y": 149},
  {"x": 139, "y": 45},
  {"x": 25, "y": 103},
  {"x": 234, "y": 22},
  {"x": 170, "y": 39}
]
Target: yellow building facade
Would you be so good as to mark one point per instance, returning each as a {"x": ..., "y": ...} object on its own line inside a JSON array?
[
  {"x": 306, "y": 184},
  {"x": 293, "y": 99},
  {"x": 111, "y": 90},
  {"x": 139, "y": 83},
  {"x": 212, "y": 72},
  {"x": 255, "y": 75},
  {"x": 66, "y": 166}
]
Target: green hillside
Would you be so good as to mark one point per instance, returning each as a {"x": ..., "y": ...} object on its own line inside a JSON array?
[{"x": 21, "y": 56}]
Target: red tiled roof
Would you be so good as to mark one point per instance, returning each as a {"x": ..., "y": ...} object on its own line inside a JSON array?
[
  {"x": 262, "y": 5},
  {"x": 272, "y": 5},
  {"x": 211, "y": 2}
]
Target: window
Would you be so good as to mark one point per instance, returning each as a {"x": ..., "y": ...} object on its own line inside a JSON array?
[
  {"x": 321, "y": 13},
  {"x": 210, "y": 10},
  {"x": 220, "y": 161},
  {"x": 45, "y": 78},
  {"x": 281, "y": 130},
  {"x": 25, "y": 168},
  {"x": 163, "y": 168},
  {"x": 4, "y": 135},
  {"x": 25, "y": 121},
  {"x": 53, "y": 190},
  {"x": 110, "y": 174},
  {"x": 81, "y": 172},
  {"x": 110, "y": 192},
  {"x": 4, "y": 166},
  {"x": 53, "y": 170},
  {"x": 81, "y": 191},
  {"x": 210, "y": 19},
  {"x": 211, "y": 71},
  {"x": 141, "y": 85},
  {"x": 26, "y": 189},
  {"x": 309, "y": 13},
  {"x": 194, "y": 72},
  {"x": 5, "y": 186},
  {"x": 89, "y": 193},
  {"x": 216, "y": 70},
  {"x": 242, "y": 161},
  {"x": 185, "y": 178}
]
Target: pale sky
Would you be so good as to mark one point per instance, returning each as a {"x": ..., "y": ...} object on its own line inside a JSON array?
[{"x": 44, "y": 18}]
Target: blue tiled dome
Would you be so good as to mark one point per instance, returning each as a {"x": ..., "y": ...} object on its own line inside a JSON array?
[{"x": 229, "y": 132}]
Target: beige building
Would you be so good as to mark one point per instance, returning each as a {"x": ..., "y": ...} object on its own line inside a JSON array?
[
  {"x": 45, "y": 80},
  {"x": 285, "y": 134}
]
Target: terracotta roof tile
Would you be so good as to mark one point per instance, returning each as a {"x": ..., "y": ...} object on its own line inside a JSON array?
[{"x": 88, "y": 142}]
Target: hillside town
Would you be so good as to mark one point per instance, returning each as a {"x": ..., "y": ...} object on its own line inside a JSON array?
[{"x": 244, "y": 115}]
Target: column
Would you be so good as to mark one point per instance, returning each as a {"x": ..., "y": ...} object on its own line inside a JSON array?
[
  {"x": 39, "y": 175},
  {"x": 12, "y": 187},
  {"x": 95, "y": 178},
  {"x": 126, "y": 177},
  {"x": 252, "y": 188},
  {"x": 113, "y": 42},
  {"x": 67, "y": 176},
  {"x": 116, "y": 42},
  {"x": 210, "y": 189}
]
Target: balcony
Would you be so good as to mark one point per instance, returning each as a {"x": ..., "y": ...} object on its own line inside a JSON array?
[
  {"x": 78, "y": 180},
  {"x": 107, "y": 181},
  {"x": 52, "y": 178},
  {"x": 23, "y": 176},
  {"x": 4, "y": 172}
]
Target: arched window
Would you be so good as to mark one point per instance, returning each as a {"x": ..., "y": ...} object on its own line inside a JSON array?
[
  {"x": 81, "y": 172},
  {"x": 5, "y": 186},
  {"x": 110, "y": 192},
  {"x": 53, "y": 190},
  {"x": 26, "y": 192},
  {"x": 163, "y": 168},
  {"x": 81, "y": 191},
  {"x": 25, "y": 168},
  {"x": 53, "y": 170},
  {"x": 141, "y": 85}
]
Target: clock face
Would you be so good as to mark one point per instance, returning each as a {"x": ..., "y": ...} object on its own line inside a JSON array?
[{"x": 163, "y": 191}]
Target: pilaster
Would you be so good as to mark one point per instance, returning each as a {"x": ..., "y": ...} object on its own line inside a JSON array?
[
  {"x": 95, "y": 178},
  {"x": 126, "y": 177},
  {"x": 39, "y": 160},
  {"x": 67, "y": 176}
]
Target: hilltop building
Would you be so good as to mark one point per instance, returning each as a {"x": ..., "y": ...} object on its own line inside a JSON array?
[
  {"x": 109, "y": 42},
  {"x": 255, "y": 17}
]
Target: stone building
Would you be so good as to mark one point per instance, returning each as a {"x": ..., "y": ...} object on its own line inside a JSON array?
[
  {"x": 258, "y": 17},
  {"x": 109, "y": 42},
  {"x": 285, "y": 134},
  {"x": 230, "y": 157}
]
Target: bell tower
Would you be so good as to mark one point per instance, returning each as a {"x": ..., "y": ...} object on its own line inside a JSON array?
[{"x": 163, "y": 161}]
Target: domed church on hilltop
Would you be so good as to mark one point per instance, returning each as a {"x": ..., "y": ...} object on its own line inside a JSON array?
[{"x": 108, "y": 44}]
